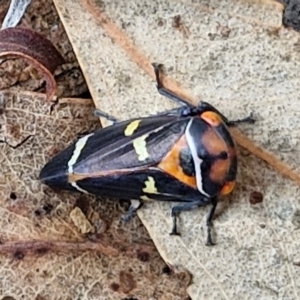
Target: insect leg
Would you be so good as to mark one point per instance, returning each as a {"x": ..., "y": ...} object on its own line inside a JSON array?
[
  {"x": 203, "y": 106},
  {"x": 190, "y": 206},
  {"x": 209, "y": 222},
  {"x": 135, "y": 205},
  {"x": 248, "y": 119},
  {"x": 100, "y": 113},
  {"x": 165, "y": 92}
]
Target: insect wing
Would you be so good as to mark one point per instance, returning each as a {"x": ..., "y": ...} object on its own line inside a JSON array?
[
  {"x": 123, "y": 147},
  {"x": 141, "y": 184}
]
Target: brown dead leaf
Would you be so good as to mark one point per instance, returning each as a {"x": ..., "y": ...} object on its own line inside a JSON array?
[
  {"x": 231, "y": 60},
  {"x": 80, "y": 221},
  {"x": 35, "y": 49},
  {"x": 42, "y": 251}
]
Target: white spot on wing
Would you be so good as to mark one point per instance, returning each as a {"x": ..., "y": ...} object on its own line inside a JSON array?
[
  {"x": 75, "y": 185},
  {"x": 78, "y": 148},
  {"x": 197, "y": 160}
]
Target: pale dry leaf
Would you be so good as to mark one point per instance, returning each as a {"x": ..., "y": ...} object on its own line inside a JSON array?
[
  {"x": 238, "y": 57},
  {"x": 43, "y": 254}
]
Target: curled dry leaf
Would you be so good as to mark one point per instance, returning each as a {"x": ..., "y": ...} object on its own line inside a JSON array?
[{"x": 35, "y": 49}]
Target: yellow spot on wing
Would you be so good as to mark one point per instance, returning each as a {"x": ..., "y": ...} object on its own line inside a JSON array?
[
  {"x": 145, "y": 198},
  {"x": 131, "y": 127},
  {"x": 140, "y": 148},
  {"x": 150, "y": 186}
]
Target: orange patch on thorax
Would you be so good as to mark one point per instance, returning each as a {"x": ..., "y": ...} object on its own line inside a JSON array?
[
  {"x": 219, "y": 170},
  {"x": 228, "y": 187},
  {"x": 213, "y": 143},
  {"x": 171, "y": 164}
]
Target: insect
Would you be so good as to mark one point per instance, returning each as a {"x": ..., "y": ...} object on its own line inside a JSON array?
[{"x": 185, "y": 155}]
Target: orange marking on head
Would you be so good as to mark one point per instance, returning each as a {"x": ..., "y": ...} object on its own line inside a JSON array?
[
  {"x": 219, "y": 170},
  {"x": 211, "y": 118},
  {"x": 171, "y": 164},
  {"x": 228, "y": 187},
  {"x": 213, "y": 143}
]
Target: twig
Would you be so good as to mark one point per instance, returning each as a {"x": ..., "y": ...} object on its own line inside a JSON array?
[{"x": 15, "y": 13}]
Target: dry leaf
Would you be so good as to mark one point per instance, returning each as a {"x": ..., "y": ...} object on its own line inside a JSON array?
[
  {"x": 43, "y": 255},
  {"x": 239, "y": 58},
  {"x": 35, "y": 49},
  {"x": 80, "y": 221}
]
